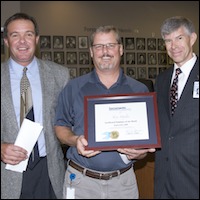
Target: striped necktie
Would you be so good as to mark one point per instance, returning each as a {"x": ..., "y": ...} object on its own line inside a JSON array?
[
  {"x": 26, "y": 106},
  {"x": 174, "y": 91},
  {"x": 26, "y": 111}
]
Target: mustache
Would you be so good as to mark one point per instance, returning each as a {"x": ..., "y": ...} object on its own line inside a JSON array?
[{"x": 106, "y": 55}]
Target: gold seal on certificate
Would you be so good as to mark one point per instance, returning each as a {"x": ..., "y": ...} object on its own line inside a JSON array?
[{"x": 114, "y": 134}]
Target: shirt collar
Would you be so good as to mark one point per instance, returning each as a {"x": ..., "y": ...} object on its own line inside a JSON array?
[
  {"x": 18, "y": 69},
  {"x": 187, "y": 67}
]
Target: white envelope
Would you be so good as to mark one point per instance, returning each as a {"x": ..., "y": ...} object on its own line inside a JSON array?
[{"x": 27, "y": 137}]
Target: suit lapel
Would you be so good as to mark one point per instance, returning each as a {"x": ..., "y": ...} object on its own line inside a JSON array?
[
  {"x": 7, "y": 101},
  {"x": 187, "y": 93},
  {"x": 47, "y": 84}
]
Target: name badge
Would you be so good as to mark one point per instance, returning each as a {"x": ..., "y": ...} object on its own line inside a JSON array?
[
  {"x": 196, "y": 89},
  {"x": 70, "y": 193}
]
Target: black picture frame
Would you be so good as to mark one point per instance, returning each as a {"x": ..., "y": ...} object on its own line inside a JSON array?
[
  {"x": 152, "y": 72},
  {"x": 152, "y": 58},
  {"x": 83, "y": 42},
  {"x": 161, "y": 45},
  {"x": 84, "y": 70},
  {"x": 140, "y": 43},
  {"x": 130, "y": 58},
  {"x": 71, "y": 42},
  {"x": 58, "y": 42},
  {"x": 72, "y": 72},
  {"x": 116, "y": 131},
  {"x": 141, "y": 58},
  {"x": 59, "y": 57},
  {"x": 162, "y": 58},
  {"x": 71, "y": 58},
  {"x": 129, "y": 43},
  {"x": 84, "y": 58},
  {"x": 142, "y": 72},
  {"x": 151, "y": 44},
  {"x": 46, "y": 55},
  {"x": 132, "y": 72},
  {"x": 45, "y": 42}
]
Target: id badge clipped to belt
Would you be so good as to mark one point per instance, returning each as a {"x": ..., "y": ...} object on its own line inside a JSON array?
[{"x": 71, "y": 190}]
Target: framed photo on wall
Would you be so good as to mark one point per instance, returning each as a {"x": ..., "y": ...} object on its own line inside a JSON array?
[
  {"x": 152, "y": 59},
  {"x": 162, "y": 58},
  {"x": 83, "y": 42},
  {"x": 140, "y": 44},
  {"x": 71, "y": 58},
  {"x": 45, "y": 42},
  {"x": 130, "y": 58},
  {"x": 151, "y": 44},
  {"x": 152, "y": 72},
  {"x": 58, "y": 42},
  {"x": 84, "y": 70},
  {"x": 84, "y": 58},
  {"x": 72, "y": 72},
  {"x": 161, "y": 45},
  {"x": 59, "y": 57},
  {"x": 142, "y": 72},
  {"x": 141, "y": 58},
  {"x": 129, "y": 43},
  {"x": 71, "y": 42},
  {"x": 46, "y": 55},
  {"x": 131, "y": 71}
]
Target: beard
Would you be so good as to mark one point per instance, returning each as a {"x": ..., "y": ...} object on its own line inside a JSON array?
[{"x": 106, "y": 63}]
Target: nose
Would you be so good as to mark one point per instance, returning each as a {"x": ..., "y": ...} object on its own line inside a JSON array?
[
  {"x": 104, "y": 48},
  {"x": 173, "y": 44},
  {"x": 22, "y": 39}
]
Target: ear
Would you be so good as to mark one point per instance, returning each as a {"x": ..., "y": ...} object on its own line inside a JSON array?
[
  {"x": 37, "y": 39},
  {"x": 193, "y": 38},
  {"x": 6, "y": 42},
  {"x": 91, "y": 52},
  {"x": 121, "y": 50}
]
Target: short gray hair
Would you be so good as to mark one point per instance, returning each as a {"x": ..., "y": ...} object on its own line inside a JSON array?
[{"x": 173, "y": 23}]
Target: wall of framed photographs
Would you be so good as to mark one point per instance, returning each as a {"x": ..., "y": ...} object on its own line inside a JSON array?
[
  {"x": 71, "y": 51},
  {"x": 143, "y": 58}
]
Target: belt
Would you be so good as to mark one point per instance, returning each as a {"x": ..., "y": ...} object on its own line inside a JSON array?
[{"x": 92, "y": 174}]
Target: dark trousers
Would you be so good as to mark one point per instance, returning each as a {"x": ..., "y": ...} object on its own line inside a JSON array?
[{"x": 36, "y": 183}]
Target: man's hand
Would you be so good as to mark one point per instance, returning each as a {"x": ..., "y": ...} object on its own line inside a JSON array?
[{"x": 12, "y": 154}]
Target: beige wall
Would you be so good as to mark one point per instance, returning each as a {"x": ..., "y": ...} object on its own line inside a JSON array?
[
  {"x": 78, "y": 18},
  {"x": 143, "y": 18},
  {"x": 8, "y": 8}
]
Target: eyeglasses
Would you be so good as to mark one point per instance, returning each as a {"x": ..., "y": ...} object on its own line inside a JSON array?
[{"x": 109, "y": 46}]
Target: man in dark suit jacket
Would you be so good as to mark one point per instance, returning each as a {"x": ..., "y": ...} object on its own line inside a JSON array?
[{"x": 177, "y": 162}]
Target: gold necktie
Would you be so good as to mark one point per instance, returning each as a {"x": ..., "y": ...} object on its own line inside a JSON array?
[
  {"x": 26, "y": 103},
  {"x": 26, "y": 111}
]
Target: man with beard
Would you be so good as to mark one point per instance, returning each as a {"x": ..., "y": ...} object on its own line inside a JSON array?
[{"x": 92, "y": 173}]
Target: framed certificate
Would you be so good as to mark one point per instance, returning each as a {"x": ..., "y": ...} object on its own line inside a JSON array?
[{"x": 121, "y": 121}]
